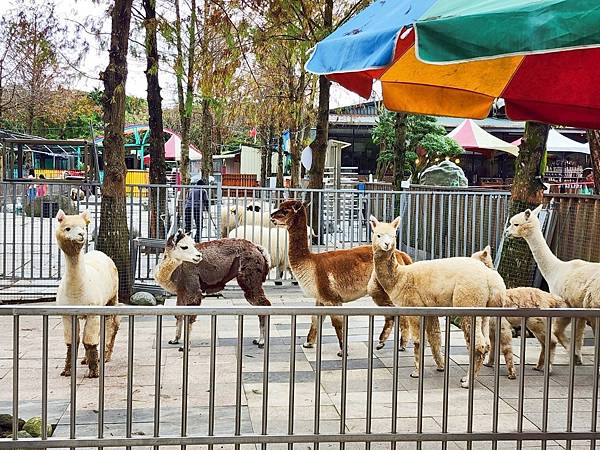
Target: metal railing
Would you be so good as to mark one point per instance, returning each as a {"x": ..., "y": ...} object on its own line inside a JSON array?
[
  {"x": 435, "y": 223},
  {"x": 391, "y": 426}
]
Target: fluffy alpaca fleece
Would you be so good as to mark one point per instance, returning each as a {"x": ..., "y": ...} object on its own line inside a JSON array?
[
  {"x": 577, "y": 282},
  {"x": 525, "y": 297},
  {"x": 335, "y": 277},
  {"x": 189, "y": 269},
  {"x": 274, "y": 239},
  {"x": 239, "y": 215},
  {"x": 456, "y": 282},
  {"x": 90, "y": 279}
]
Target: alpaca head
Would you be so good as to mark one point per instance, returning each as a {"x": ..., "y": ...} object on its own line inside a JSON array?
[
  {"x": 384, "y": 234},
  {"x": 288, "y": 211},
  {"x": 525, "y": 223},
  {"x": 485, "y": 256},
  {"x": 182, "y": 247},
  {"x": 71, "y": 232}
]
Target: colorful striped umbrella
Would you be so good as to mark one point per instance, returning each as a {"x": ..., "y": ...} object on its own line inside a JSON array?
[{"x": 556, "y": 87}]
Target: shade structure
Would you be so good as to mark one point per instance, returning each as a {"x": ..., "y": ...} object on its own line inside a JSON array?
[
  {"x": 559, "y": 143},
  {"x": 459, "y": 30},
  {"x": 173, "y": 149},
  {"x": 557, "y": 87},
  {"x": 471, "y": 136}
]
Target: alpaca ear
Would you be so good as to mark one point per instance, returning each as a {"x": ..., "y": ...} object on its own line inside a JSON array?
[
  {"x": 297, "y": 206},
  {"x": 170, "y": 241},
  {"x": 396, "y": 222},
  {"x": 60, "y": 215},
  {"x": 85, "y": 215},
  {"x": 306, "y": 204},
  {"x": 373, "y": 221},
  {"x": 537, "y": 210},
  {"x": 527, "y": 214},
  {"x": 487, "y": 250}
]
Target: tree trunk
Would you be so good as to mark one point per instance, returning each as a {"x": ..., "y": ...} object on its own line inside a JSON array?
[
  {"x": 319, "y": 145},
  {"x": 279, "y": 162},
  {"x": 158, "y": 171},
  {"x": 295, "y": 150},
  {"x": 113, "y": 234},
  {"x": 269, "y": 159},
  {"x": 594, "y": 140},
  {"x": 263, "y": 165},
  {"x": 206, "y": 140},
  {"x": 185, "y": 103},
  {"x": 517, "y": 265},
  {"x": 399, "y": 149}
]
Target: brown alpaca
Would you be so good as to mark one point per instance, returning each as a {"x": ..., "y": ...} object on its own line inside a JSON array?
[
  {"x": 190, "y": 270},
  {"x": 525, "y": 297},
  {"x": 334, "y": 277},
  {"x": 90, "y": 279}
]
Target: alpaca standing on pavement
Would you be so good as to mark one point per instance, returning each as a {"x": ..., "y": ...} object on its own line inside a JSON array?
[
  {"x": 575, "y": 281},
  {"x": 459, "y": 282},
  {"x": 525, "y": 297},
  {"x": 90, "y": 279},
  {"x": 336, "y": 277},
  {"x": 189, "y": 269}
]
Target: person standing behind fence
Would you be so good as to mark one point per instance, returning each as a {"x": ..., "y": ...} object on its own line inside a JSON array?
[
  {"x": 195, "y": 204},
  {"x": 42, "y": 189},
  {"x": 32, "y": 188}
]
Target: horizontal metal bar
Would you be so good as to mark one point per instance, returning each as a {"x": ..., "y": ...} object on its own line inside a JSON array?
[
  {"x": 296, "y": 438},
  {"x": 27, "y": 310}
]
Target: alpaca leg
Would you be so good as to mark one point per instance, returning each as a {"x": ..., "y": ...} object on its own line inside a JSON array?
[
  {"x": 188, "y": 341},
  {"x": 434, "y": 337},
  {"x": 91, "y": 336},
  {"x": 311, "y": 337},
  {"x": 381, "y": 298},
  {"x": 558, "y": 329},
  {"x": 415, "y": 333},
  {"x": 579, "y": 331},
  {"x": 492, "y": 355},
  {"x": 68, "y": 341},
  {"x": 404, "y": 333},
  {"x": 537, "y": 326},
  {"x": 255, "y": 295},
  {"x": 338, "y": 324},
  {"x": 506, "y": 347},
  {"x": 178, "y": 329},
  {"x": 112, "y": 326},
  {"x": 480, "y": 345}
]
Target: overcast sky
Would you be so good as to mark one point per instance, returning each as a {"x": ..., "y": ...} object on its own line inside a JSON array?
[{"x": 97, "y": 58}]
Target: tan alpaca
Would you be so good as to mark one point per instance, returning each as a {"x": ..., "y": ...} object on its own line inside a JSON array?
[
  {"x": 459, "y": 282},
  {"x": 525, "y": 297},
  {"x": 335, "y": 277},
  {"x": 577, "y": 282},
  {"x": 90, "y": 279}
]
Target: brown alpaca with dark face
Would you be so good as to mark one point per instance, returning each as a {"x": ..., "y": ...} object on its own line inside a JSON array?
[
  {"x": 190, "y": 269},
  {"x": 334, "y": 277}
]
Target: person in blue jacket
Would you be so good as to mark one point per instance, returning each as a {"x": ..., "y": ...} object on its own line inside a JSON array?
[{"x": 195, "y": 204}]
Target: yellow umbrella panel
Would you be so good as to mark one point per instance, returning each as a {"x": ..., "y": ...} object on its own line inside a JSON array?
[{"x": 455, "y": 90}]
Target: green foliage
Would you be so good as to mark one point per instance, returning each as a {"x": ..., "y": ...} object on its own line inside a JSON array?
[{"x": 426, "y": 142}]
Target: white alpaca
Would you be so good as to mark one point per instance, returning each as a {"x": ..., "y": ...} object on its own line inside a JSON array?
[
  {"x": 90, "y": 279},
  {"x": 275, "y": 240},
  {"x": 459, "y": 282},
  {"x": 237, "y": 215},
  {"x": 576, "y": 281}
]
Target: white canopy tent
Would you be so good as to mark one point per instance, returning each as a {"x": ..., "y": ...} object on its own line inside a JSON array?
[{"x": 558, "y": 143}]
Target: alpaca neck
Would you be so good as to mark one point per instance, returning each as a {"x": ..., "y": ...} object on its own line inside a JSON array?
[
  {"x": 542, "y": 254},
  {"x": 74, "y": 273},
  {"x": 386, "y": 267},
  {"x": 298, "y": 245},
  {"x": 164, "y": 272}
]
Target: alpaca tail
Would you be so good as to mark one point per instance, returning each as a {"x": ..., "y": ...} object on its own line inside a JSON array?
[{"x": 263, "y": 251}]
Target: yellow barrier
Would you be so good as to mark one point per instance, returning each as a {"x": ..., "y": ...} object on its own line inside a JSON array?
[
  {"x": 134, "y": 177},
  {"x": 50, "y": 174}
]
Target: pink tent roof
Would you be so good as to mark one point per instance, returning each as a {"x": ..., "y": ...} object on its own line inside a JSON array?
[
  {"x": 471, "y": 136},
  {"x": 173, "y": 149}
]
